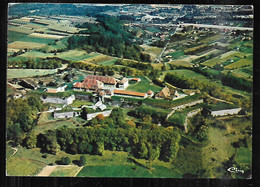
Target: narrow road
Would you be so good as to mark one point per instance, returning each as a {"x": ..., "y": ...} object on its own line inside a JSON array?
[
  {"x": 216, "y": 99},
  {"x": 15, "y": 151},
  {"x": 170, "y": 114}
]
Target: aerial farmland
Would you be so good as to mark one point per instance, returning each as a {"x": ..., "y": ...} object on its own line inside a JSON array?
[{"x": 129, "y": 90}]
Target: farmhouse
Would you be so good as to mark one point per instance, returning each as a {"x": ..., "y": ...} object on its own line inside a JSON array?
[
  {"x": 94, "y": 82},
  {"x": 123, "y": 84},
  {"x": 58, "y": 100},
  {"x": 108, "y": 82},
  {"x": 125, "y": 93},
  {"x": 165, "y": 93}
]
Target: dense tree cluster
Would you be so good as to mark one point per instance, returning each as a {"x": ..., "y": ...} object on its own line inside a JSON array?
[
  {"x": 49, "y": 63},
  {"x": 110, "y": 37},
  {"x": 142, "y": 143},
  {"x": 21, "y": 117}
]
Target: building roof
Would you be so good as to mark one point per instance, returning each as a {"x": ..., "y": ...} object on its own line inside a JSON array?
[
  {"x": 150, "y": 92},
  {"x": 88, "y": 84},
  {"x": 135, "y": 79},
  {"x": 124, "y": 80},
  {"x": 106, "y": 80},
  {"x": 52, "y": 90},
  {"x": 130, "y": 93},
  {"x": 31, "y": 82},
  {"x": 165, "y": 93}
]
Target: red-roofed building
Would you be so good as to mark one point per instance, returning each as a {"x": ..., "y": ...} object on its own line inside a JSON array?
[
  {"x": 109, "y": 82},
  {"x": 125, "y": 93},
  {"x": 150, "y": 93}
]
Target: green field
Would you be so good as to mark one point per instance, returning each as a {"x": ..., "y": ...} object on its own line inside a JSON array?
[
  {"x": 143, "y": 86},
  {"x": 19, "y": 73},
  {"x": 75, "y": 55},
  {"x": 177, "y": 54},
  {"x": 14, "y": 36},
  {"x": 108, "y": 62},
  {"x": 36, "y": 40},
  {"x": 186, "y": 73}
]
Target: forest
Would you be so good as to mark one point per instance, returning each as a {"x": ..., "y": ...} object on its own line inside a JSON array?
[{"x": 109, "y": 37}]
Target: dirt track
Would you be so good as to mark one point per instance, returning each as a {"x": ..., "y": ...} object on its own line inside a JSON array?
[{"x": 46, "y": 171}]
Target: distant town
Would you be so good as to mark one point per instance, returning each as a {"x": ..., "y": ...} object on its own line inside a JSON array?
[{"x": 129, "y": 90}]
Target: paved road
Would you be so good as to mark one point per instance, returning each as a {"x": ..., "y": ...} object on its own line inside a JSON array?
[{"x": 218, "y": 26}]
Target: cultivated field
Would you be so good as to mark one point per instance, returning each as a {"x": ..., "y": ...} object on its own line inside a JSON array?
[
  {"x": 23, "y": 44},
  {"x": 49, "y": 36},
  {"x": 239, "y": 64}
]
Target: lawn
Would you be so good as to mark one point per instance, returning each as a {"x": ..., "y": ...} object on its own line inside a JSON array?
[
  {"x": 143, "y": 86},
  {"x": 18, "y": 73}
]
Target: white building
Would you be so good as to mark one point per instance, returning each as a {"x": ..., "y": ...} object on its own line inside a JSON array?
[{"x": 225, "y": 112}]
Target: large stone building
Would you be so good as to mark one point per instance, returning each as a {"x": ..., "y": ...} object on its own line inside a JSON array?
[{"x": 94, "y": 82}]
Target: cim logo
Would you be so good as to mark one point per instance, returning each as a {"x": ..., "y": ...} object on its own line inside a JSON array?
[{"x": 235, "y": 170}]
